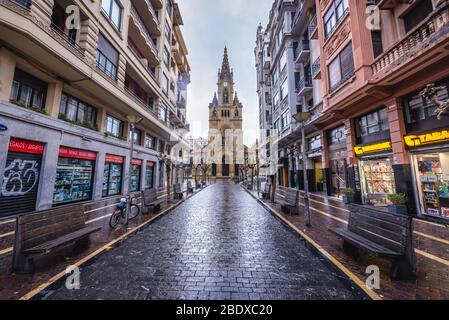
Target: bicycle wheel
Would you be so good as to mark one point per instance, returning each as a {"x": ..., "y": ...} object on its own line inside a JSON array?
[
  {"x": 135, "y": 211},
  {"x": 115, "y": 218}
]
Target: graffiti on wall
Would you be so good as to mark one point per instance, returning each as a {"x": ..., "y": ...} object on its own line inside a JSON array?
[{"x": 20, "y": 178}]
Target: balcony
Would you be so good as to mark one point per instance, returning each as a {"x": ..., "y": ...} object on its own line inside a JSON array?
[
  {"x": 142, "y": 60},
  {"x": 429, "y": 33},
  {"x": 139, "y": 101},
  {"x": 24, "y": 3},
  {"x": 304, "y": 86},
  {"x": 181, "y": 102},
  {"x": 316, "y": 69},
  {"x": 146, "y": 29},
  {"x": 303, "y": 51},
  {"x": 177, "y": 53},
  {"x": 313, "y": 28},
  {"x": 177, "y": 120},
  {"x": 316, "y": 112}
]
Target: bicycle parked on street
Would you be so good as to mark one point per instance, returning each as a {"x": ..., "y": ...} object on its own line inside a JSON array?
[{"x": 120, "y": 211}]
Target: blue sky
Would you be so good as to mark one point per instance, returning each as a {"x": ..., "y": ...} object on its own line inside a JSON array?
[{"x": 208, "y": 25}]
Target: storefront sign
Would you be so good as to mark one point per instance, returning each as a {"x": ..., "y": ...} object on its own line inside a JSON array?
[
  {"x": 25, "y": 146},
  {"x": 66, "y": 152},
  {"x": 137, "y": 162},
  {"x": 3, "y": 128},
  {"x": 383, "y": 146},
  {"x": 114, "y": 159},
  {"x": 150, "y": 164},
  {"x": 428, "y": 138}
]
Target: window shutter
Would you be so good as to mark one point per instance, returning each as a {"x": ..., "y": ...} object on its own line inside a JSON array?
[
  {"x": 376, "y": 39},
  {"x": 334, "y": 73},
  {"x": 107, "y": 49},
  {"x": 347, "y": 61}
]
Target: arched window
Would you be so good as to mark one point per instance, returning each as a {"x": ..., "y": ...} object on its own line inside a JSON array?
[{"x": 225, "y": 96}]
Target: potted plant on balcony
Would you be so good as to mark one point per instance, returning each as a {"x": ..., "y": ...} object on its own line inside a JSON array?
[
  {"x": 398, "y": 201},
  {"x": 348, "y": 195}
]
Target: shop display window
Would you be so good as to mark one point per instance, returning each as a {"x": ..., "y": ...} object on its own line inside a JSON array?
[
  {"x": 377, "y": 179},
  {"x": 73, "y": 180},
  {"x": 135, "y": 177},
  {"x": 432, "y": 175},
  {"x": 112, "y": 179}
]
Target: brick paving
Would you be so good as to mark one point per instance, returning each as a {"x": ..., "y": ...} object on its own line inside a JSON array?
[{"x": 220, "y": 244}]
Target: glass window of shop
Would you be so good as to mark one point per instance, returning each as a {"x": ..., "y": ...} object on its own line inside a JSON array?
[
  {"x": 377, "y": 180},
  {"x": 112, "y": 178},
  {"x": 432, "y": 178},
  {"x": 149, "y": 175},
  {"x": 136, "y": 169},
  {"x": 74, "y": 176}
]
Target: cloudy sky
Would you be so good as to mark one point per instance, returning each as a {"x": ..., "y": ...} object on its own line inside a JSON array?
[{"x": 208, "y": 26}]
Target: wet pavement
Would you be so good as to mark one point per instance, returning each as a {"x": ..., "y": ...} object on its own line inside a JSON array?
[{"x": 219, "y": 244}]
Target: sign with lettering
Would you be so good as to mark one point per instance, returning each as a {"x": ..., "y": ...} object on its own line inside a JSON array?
[
  {"x": 150, "y": 164},
  {"x": 137, "y": 162},
  {"x": 67, "y": 152},
  {"x": 426, "y": 138},
  {"x": 372, "y": 148},
  {"x": 114, "y": 159},
  {"x": 25, "y": 146}
]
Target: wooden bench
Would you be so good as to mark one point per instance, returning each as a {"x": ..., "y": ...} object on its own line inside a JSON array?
[
  {"x": 41, "y": 233},
  {"x": 288, "y": 199},
  {"x": 266, "y": 192},
  {"x": 189, "y": 187},
  {"x": 151, "y": 201},
  {"x": 177, "y": 192},
  {"x": 383, "y": 234}
]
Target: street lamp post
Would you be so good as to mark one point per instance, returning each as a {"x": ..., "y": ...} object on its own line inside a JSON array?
[
  {"x": 133, "y": 120},
  {"x": 302, "y": 117}
]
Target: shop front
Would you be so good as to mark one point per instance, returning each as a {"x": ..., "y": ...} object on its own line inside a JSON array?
[
  {"x": 377, "y": 181},
  {"x": 18, "y": 193},
  {"x": 149, "y": 175},
  {"x": 136, "y": 170},
  {"x": 74, "y": 176},
  {"x": 113, "y": 175},
  {"x": 337, "y": 161},
  {"x": 429, "y": 153},
  {"x": 315, "y": 171}
]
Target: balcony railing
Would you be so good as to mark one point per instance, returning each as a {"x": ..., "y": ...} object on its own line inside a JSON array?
[
  {"x": 304, "y": 85},
  {"x": 66, "y": 38},
  {"x": 430, "y": 31},
  {"x": 153, "y": 12},
  {"x": 313, "y": 24},
  {"x": 140, "y": 102},
  {"x": 142, "y": 26},
  {"x": 303, "y": 50},
  {"x": 316, "y": 69}
]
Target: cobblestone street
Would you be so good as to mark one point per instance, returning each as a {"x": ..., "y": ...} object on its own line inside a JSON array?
[{"x": 220, "y": 244}]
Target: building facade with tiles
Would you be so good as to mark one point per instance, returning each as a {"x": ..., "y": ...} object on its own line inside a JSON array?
[
  {"x": 71, "y": 75},
  {"x": 361, "y": 67}
]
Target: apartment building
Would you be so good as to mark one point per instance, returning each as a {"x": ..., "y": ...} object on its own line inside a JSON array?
[
  {"x": 369, "y": 62},
  {"x": 74, "y": 74}
]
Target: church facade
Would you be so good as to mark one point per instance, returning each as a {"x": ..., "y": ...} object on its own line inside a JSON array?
[{"x": 226, "y": 150}]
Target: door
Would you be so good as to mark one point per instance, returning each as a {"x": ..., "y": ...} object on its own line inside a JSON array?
[
  {"x": 225, "y": 170},
  {"x": 338, "y": 176}
]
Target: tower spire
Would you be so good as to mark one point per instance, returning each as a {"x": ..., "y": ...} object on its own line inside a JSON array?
[{"x": 225, "y": 69}]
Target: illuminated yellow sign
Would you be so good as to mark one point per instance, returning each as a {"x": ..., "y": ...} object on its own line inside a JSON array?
[
  {"x": 383, "y": 146},
  {"x": 427, "y": 138}
]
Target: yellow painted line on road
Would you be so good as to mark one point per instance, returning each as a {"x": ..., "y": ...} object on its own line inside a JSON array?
[
  {"x": 5, "y": 251},
  {"x": 432, "y": 257},
  {"x": 7, "y": 234}
]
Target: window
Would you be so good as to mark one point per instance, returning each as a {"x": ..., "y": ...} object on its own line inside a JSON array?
[
  {"x": 276, "y": 125},
  {"x": 374, "y": 122},
  {"x": 113, "y": 10},
  {"x": 283, "y": 61},
  {"x": 419, "y": 13},
  {"x": 341, "y": 68},
  {"x": 161, "y": 146},
  {"x": 418, "y": 108},
  {"x": 150, "y": 141},
  {"x": 167, "y": 31},
  {"x": 74, "y": 110},
  {"x": 28, "y": 91},
  {"x": 285, "y": 120},
  {"x": 137, "y": 137},
  {"x": 169, "y": 7},
  {"x": 334, "y": 15},
  {"x": 114, "y": 126},
  {"x": 337, "y": 135},
  {"x": 163, "y": 112},
  {"x": 166, "y": 57},
  {"x": 284, "y": 90},
  {"x": 376, "y": 39},
  {"x": 226, "y": 96},
  {"x": 314, "y": 143},
  {"x": 165, "y": 83},
  {"x": 107, "y": 57},
  {"x": 276, "y": 99}
]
